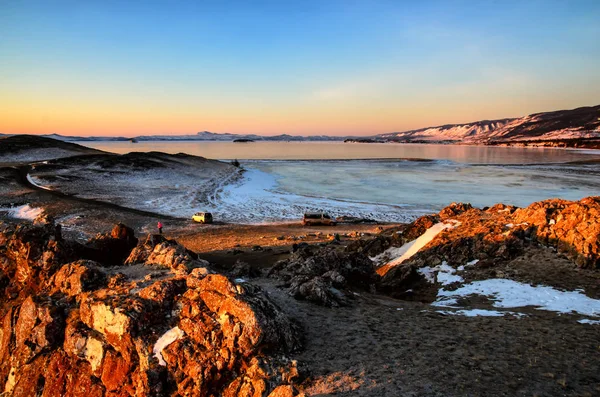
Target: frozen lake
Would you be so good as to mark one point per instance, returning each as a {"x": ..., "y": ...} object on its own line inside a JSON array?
[
  {"x": 382, "y": 181},
  {"x": 350, "y": 151}
]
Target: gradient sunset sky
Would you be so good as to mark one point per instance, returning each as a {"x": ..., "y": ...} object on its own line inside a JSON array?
[{"x": 298, "y": 67}]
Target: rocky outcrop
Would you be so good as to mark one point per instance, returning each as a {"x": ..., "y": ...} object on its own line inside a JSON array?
[
  {"x": 77, "y": 277},
  {"x": 572, "y": 227},
  {"x": 322, "y": 275},
  {"x": 501, "y": 233},
  {"x": 158, "y": 251},
  {"x": 72, "y": 327}
]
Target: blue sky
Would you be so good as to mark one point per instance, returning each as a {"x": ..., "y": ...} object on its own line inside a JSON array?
[{"x": 336, "y": 67}]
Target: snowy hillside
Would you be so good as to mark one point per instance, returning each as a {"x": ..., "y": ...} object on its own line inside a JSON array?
[
  {"x": 450, "y": 132},
  {"x": 559, "y": 125}
]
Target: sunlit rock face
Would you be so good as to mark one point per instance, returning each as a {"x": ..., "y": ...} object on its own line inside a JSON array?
[
  {"x": 163, "y": 324},
  {"x": 495, "y": 235}
]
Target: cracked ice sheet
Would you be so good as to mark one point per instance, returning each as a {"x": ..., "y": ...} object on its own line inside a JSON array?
[
  {"x": 255, "y": 199},
  {"x": 511, "y": 294}
]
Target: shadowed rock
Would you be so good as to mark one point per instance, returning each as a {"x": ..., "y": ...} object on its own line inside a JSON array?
[{"x": 321, "y": 276}]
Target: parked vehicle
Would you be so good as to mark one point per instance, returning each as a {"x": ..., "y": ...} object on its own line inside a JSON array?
[
  {"x": 202, "y": 217},
  {"x": 318, "y": 218}
]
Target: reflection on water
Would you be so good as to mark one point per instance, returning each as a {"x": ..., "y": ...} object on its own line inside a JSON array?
[{"x": 340, "y": 150}]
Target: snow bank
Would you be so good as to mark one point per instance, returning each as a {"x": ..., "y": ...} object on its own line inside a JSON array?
[
  {"x": 24, "y": 212},
  {"x": 168, "y": 337},
  {"x": 400, "y": 254},
  {"x": 511, "y": 294}
]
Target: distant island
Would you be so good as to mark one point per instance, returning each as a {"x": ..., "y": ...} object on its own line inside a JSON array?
[
  {"x": 576, "y": 128},
  {"x": 363, "y": 140}
]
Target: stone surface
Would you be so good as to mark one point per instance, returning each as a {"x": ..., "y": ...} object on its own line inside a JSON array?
[
  {"x": 323, "y": 275},
  {"x": 501, "y": 233},
  {"x": 71, "y": 327}
]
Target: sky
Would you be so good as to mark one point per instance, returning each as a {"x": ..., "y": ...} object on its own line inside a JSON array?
[{"x": 127, "y": 68}]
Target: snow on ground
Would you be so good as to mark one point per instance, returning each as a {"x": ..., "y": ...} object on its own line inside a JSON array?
[
  {"x": 445, "y": 274},
  {"x": 397, "y": 255},
  {"x": 255, "y": 199},
  {"x": 477, "y": 313},
  {"x": 168, "y": 337},
  {"x": 588, "y": 321},
  {"x": 24, "y": 212},
  {"x": 510, "y": 294},
  {"x": 36, "y": 183}
]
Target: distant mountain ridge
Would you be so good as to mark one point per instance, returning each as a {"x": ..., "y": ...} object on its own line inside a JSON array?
[
  {"x": 580, "y": 123},
  {"x": 557, "y": 126}
]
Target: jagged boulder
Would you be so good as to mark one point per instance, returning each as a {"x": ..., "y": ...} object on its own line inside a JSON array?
[
  {"x": 372, "y": 246},
  {"x": 74, "y": 278},
  {"x": 143, "y": 250},
  {"x": 157, "y": 250},
  {"x": 454, "y": 210},
  {"x": 30, "y": 255},
  {"x": 113, "y": 248}
]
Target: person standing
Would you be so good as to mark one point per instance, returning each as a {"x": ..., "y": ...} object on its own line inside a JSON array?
[{"x": 159, "y": 225}]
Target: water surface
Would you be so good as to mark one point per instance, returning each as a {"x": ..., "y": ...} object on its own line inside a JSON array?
[{"x": 388, "y": 182}]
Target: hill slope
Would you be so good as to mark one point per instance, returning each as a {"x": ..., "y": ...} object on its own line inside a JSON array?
[
  {"x": 580, "y": 123},
  {"x": 28, "y": 148}
]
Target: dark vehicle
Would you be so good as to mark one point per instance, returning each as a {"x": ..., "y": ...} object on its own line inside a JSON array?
[
  {"x": 202, "y": 217},
  {"x": 318, "y": 218}
]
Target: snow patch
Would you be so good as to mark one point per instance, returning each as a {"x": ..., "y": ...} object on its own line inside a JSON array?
[
  {"x": 24, "y": 212},
  {"x": 476, "y": 313},
  {"x": 168, "y": 337},
  {"x": 588, "y": 321},
  {"x": 445, "y": 274},
  {"x": 403, "y": 253},
  {"x": 472, "y": 263},
  {"x": 510, "y": 294}
]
